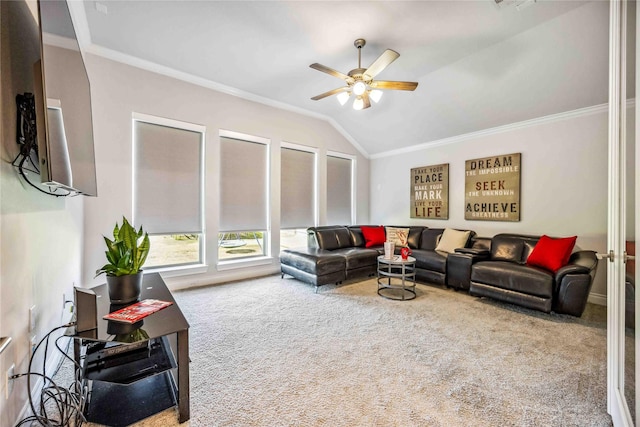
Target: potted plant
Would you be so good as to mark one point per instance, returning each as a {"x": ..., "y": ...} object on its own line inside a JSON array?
[{"x": 126, "y": 254}]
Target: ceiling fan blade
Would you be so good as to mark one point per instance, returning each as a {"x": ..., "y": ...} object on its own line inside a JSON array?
[
  {"x": 381, "y": 84},
  {"x": 330, "y": 71},
  {"x": 367, "y": 101},
  {"x": 387, "y": 57},
  {"x": 331, "y": 92}
]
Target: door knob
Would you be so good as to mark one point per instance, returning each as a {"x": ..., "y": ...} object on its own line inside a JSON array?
[{"x": 607, "y": 255}]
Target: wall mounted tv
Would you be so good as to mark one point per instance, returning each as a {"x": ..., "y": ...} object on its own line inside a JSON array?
[{"x": 63, "y": 104}]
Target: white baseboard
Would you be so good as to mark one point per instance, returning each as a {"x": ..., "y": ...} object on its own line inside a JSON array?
[{"x": 598, "y": 299}]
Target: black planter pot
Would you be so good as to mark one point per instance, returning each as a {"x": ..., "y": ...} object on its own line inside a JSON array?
[{"x": 124, "y": 289}]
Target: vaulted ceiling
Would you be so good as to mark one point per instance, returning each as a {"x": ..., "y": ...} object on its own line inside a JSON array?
[{"x": 478, "y": 65}]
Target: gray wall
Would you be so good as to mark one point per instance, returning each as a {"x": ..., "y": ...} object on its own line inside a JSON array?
[
  {"x": 118, "y": 90},
  {"x": 40, "y": 235},
  {"x": 563, "y": 181}
]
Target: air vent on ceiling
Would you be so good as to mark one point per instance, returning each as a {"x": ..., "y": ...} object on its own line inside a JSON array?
[{"x": 519, "y": 4}]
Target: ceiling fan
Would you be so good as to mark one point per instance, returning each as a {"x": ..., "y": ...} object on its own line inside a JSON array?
[{"x": 360, "y": 80}]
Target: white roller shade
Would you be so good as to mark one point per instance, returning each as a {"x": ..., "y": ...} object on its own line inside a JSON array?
[
  {"x": 297, "y": 192},
  {"x": 167, "y": 179},
  {"x": 338, "y": 190},
  {"x": 243, "y": 185}
]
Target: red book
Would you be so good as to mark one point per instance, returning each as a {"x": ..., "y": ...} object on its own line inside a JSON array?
[{"x": 137, "y": 311}]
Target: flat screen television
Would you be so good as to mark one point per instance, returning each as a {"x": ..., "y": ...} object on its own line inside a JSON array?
[{"x": 63, "y": 104}]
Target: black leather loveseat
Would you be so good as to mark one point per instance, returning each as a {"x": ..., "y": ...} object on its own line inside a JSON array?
[
  {"x": 497, "y": 268},
  {"x": 338, "y": 253}
]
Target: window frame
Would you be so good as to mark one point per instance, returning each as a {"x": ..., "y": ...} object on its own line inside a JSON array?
[
  {"x": 265, "y": 257},
  {"x": 353, "y": 180},
  {"x": 201, "y": 264},
  {"x": 316, "y": 192}
]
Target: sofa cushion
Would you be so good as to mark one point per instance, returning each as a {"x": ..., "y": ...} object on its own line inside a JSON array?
[
  {"x": 452, "y": 239},
  {"x": 507, "y": 248},
  {"x": 429, "y": 239},
  {"x": 357, "y": 239},
  {"x": 415, "y": 233},
  {"x": 430, "y": 260},
  {"x": 357, "y": 257},
  {"x": 373, "y": 236},
  {"x": 333, "y": 238},
  {"x": 528, "y": 244},
  {"x": 514, "y": 277},
  {"x": 313, "y": 261},
  {"x": 398, "y": 236},
  {"x": 552, "y": 254}
]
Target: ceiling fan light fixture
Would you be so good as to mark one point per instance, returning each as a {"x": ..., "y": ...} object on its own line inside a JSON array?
[
  {"x": 343, "y": 97},
  {"x": 360, "y": 81},
  {"x": 375, "y": 95},
  {"x": 359, "y": 88},
  {"x": 358, "y": 104}
]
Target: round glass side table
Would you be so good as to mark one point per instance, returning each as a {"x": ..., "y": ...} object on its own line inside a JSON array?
[{"x": 397, "y": 278}]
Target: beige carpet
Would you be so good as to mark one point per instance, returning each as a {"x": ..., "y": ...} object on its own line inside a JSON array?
[{"x": 270, "y": 352}]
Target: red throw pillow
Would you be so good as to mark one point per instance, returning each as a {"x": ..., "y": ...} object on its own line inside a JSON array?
[
  {"x": 551, "y": 254},
  {"x": 373, "y": 236}
]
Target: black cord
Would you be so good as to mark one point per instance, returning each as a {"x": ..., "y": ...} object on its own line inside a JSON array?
[
  {"x": 52, "y": 190},
  {"x": 67, "y": 403},
  {"x": 26, "y": 137}
]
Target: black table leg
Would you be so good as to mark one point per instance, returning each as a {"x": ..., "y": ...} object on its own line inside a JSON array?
[{"x": 183, "y": 376}]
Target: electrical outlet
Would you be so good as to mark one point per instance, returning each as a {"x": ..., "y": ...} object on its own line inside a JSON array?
[
  {"x": 32, "y": 318},
  {"x": 8, "y": 382}
]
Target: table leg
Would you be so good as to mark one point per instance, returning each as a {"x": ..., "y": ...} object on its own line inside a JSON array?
[
  {"x": 77, "y": 342},
  {"x": 183, "y": 376}
]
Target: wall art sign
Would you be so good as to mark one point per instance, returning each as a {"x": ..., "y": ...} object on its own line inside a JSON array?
[
  {"x": 430, "y": 192},
  {"x": 492, "y": 188}
]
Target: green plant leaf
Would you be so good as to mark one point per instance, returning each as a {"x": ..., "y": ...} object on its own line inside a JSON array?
[
  {"x": 143, "y": 251},
  {"x": 116, "y": 231},
  {"x": 124, "y": 254},
  {"x": 128, "y": 235}
]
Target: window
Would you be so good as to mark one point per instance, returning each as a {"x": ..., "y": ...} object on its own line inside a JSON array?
[
  {"x": 244, "y": 196},
  {"x": 340, "y": 192},
  {"x": 297, "y": 194},
  {"x": 168, "y": 191}
]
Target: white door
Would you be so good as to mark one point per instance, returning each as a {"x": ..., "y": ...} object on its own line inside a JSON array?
[{"x": 621, "y": 277}]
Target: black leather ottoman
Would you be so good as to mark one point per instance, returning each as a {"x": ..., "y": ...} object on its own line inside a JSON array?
[{"x": 313, "y": 265}]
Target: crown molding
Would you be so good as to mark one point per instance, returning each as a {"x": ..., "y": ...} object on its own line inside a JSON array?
[
  {"x": 80, "y": 23},
  {"x": 218, "y": 87},
  {"x": 79, "y": 17},
  {"x": 567, "y": 115}
]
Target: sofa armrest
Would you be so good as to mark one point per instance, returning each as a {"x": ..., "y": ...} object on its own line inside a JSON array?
[
  {"x": 572, "y": 294},
  {"x": 570, "y": 269},
  {"x": 459, "y": 266},
  {"x": 573, "y": 283},
  {"x": 581, "y": 262}
]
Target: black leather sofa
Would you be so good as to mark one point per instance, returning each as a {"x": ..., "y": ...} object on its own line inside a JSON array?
[
  {"x": 338, "y": 253},
  {"x": 486, "y": 267},
  {"x": 496, "y": 268}
]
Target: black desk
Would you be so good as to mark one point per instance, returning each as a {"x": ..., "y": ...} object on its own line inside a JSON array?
[{"x": 146, "y": 395}]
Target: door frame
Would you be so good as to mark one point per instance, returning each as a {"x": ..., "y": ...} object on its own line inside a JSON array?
[{"x": 616, "y": 218}]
